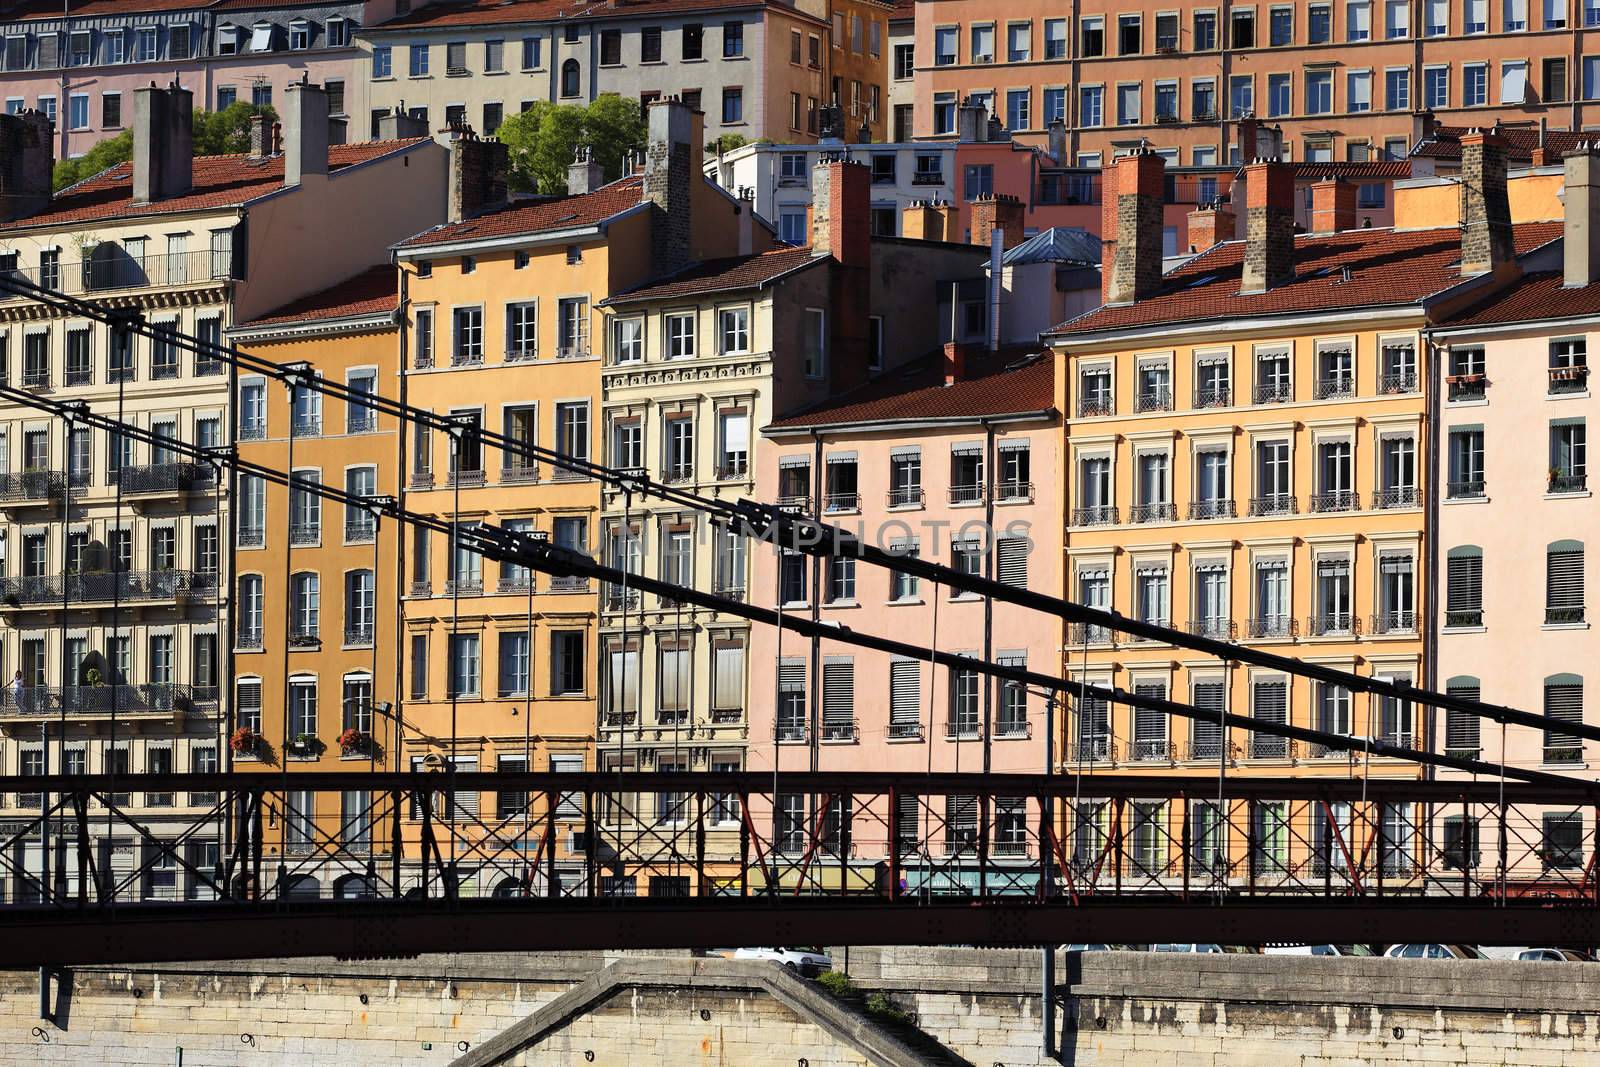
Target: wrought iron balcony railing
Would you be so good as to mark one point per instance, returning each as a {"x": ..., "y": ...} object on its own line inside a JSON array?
[
  {"x": 176, "y": 477},
  {"x": 969, "y": 493},
  {"x": 101, "y": 699},
  {"x": 29, "y": 486},
  {"x": 1152, "y": 400},
  {"x": 1090, "y": 407},
  {"x": 1270, "y": 626},
  {"x": 1331, "y": 500},
  {"x": 1568, "y": 482},
  {"x": 1395, "y": 496},
  {"x": 1201, "y": 510},
  {"x": 1398, "y": 382},
  {"x": 906, "y": 496},
  {"x": 1164, "y": 511},
  {"x": 1274, "y": 504},
  {"x": 1213, "y": 396},
  {"x": 1467, "y": 386},
  {"x": 48, "y": 590},
  {"x": 1329, "y": 623},
  {"x": 1463, "y": 617},
  {"x": 1274, "y": 393},
  {"x": 1220, "y": 629},
  {"x": 1394, "y": 622},
  {"x": 1339, "y": 388},
  {"x": 1095, "y": 515}
]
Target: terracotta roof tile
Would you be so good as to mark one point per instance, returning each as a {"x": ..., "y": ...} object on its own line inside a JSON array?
[
  {"x": 1386, "y": 267},
  {"x": 1445, "y": 142},
  {"x": 1371, "y": 169},
  {"x": 499, "y": 12},
  {"x": 219, "y": 182},
  {"x": 375, "y": 291},
  {"x": 1535, "y": 296},
  {"x": 49, "y": 9},
  {"x": 529, "y": 217},
  {"x": 721, "y": 275},
  {"x": 1005, "y": 383}
]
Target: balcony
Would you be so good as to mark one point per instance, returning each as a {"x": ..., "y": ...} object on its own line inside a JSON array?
[
  {"x": 110, "y": 267},
  {"x": 971, "y": 493},
  {"x": 1563, "y": 752},
  {"x": 463, "y": 587},
  {"x": 1332, "y": 623},
  {"x": 1217, "y": 629},
  {"x": 305, "y": 636},
  {"x": 618, "y": 600},
  {"x": 790, "y": 733},
  {"x": 1265, "y": 747},
  {"x": 1394, "y": 622},
  {"x": 160, "y": 479},
  {"x": 1202, "y": 510},
  {"x": 128, "y": 587},
  {"x": 841, "y": 731},
  {"x": 248, "y": 638},
  {"x": 467, "y": 478},
  {"x": 1013, "y": 728},
  {"x": 305, "y": 533},
  {"x": 1089, "y": 633},
  {"x": 360, "y": 421},
  {"x": 252, "y": 431},
  {"x": 1151, "y": 748},
  {"x": 1275, "y": 504},
  {"x": 1563, "y": 616},
  {"x": 467, "y": 358},
  {"x": 962, "y": 730},
  {"x": 842, "y": 501},
  {"x": 576, "y": 351},
  {"x": 1205, "y": 748},
  {"x": 905, "y": 731},
  {"x": 36, "y": 379},
  {"x": 1404, "y": 381},
  {"x": 796, "y": 504},
  {"x": 95, "y": 700},
  {"x": 1091, "y": 407},
  {"x": 907, "y": 496},
  {"x": 733, "y": 471},
  {"x": 360, "y": 528},
  {"x": 1333, "y": 500},
  {"x": 1465, "y": 489},
  {"x": 1274, "y": 393},
  {"x": 359, "y": 633},
  {"x": 526, "y": 354},
  {"x": 1093, "y": 750},
  {"x": 1153, "y": 400},
  {"x": 1334, "y": 389},
  {"x": 1164, "y": 511},
  {"x": 1014, "y": 491},
  {"x": 1567, "y": 482},
  {"x": 1568, "y": 380},
  {"x": 1096, "y": 515},
  {"x": 252, "y": 537},
  {"x": 1464, "y": 387},
  {"x": 306, "y": 426},
  {"x": 31, "y": 488},
  {"x": 928, "y": 177},
  {"x": 1463, "y": 617},
  {"x": 1270, "y": 626},
  {"x": 1395, "y": 496},
  {"x": 1213, "y": 396}
]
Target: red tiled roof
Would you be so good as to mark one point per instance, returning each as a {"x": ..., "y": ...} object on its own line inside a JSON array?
[
  {"x": 1445, "y": 142},
  {"x": 903, "y": 9},
  {"x": 1386, "y": 267},
  {"x": 1533, "y": 297},
  {"x": 528, "y": 217},
  {"x": 51, "y": 9},
  {"x": 375, "y": 291},
  {"x": 1371, "y": 169},
  {"x": 721, "y": 275},
  {"x": 497, "y": 12},
  {"x": 1007, "y": 382},
  {"x": 219, "y": 182}
]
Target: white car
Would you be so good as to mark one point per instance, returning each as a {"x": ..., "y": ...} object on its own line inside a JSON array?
[
  {"x": 806, "y": 962},
  {"x": 1187, "y": 948},
  {"x": 1434, "y": 952},
  {"x": 1552, "y": 955},
  {"x": 1317, "y": 950}
]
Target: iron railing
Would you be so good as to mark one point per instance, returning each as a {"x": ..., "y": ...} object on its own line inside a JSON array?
[
  {"x": 50, "y": 590},
  {"x": 1200, "y": 510},
  {"x": 176, "y": 477}
]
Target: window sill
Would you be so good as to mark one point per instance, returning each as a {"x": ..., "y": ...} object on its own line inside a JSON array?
[
  {"x": 419, "y": 77},
  {"x": 965, "y": 598},
  {"x": 795, "y": 605},
  {"x": 1564, "y": 626},
  {"x": 842, "y": 604},
  {"x": 966, "y": 504},
  {"x": 903, "y": 740},
  {"x": 1465, "y": 630},
  {"x": 357, "y": 645},
  {"x": 1565, "y": 767},
  {"x": 1464, "y": 500},
  {"x": 1580, "y": 495},
  {"x": 1583, "y": 395},
  {"x": 1482, "y": 402},
  {"x": 913, "y": 603},
  {"x": 906, "y": 507}
]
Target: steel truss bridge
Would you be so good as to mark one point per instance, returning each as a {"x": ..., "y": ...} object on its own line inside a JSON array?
[{"x": 566, "y": 862}]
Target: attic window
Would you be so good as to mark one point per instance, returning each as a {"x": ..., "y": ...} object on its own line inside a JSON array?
[{"x": 261, "y": 37}]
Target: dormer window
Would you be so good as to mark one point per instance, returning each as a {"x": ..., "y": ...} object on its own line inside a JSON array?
[
  {"x": 227, "y": 40},
  {"x": 261, "y": 37},
  {"x": 299, "y": 35}
]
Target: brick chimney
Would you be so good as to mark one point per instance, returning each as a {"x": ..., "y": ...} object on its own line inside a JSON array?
[
  {"x": 972, "y": 121},
  {"x": 163, "y": 143},
  {"x": 27, "y": 159},
  {"x": 998, "y": 211},
  {"x": 955, "y": 362},
  {"x": 1210, "y": 225},
  {"x": 260, "y": 137},
  {"x": 1333, "y": 206},
  {"x": 925, "y": 220},
  {"x": 1485, "y": 206},
  {"x": 1581, "y": 230},
  {"x": 477, "y": 175},
  {"x": 671, "y": 166},
  {"x": 1269, "y": 226},
  {"x": 1136, "y": 265},
  {"x": 305, "y": 132},
  {"x": 841, "y": 203},
  {"x": 1108, "y": 229},
  {"x": 584, "y": 174}
]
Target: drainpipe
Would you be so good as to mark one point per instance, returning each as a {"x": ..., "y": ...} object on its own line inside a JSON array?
[
  {"x": 814, "y": 711},
  {"x": 1430, "y": 535},
  {"x": 402, "y": 475}
]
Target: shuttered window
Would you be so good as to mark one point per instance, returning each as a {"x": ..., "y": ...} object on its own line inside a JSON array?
[
  {"x": 1013, "y": 561},
  {"x": 1210, "y": 698},
  {"x": 960, "y": 823},
  {"x": 838, "y": 694},
  {"x": 1272, "y": 701},
  {"x": 1461, "y": 728},
  {"x": 249, "y": 704},
  {"x": 906, "y": 810},
  {"x": 1563, "y": 703},
  {"x": 1150, "y": 727},
  {"x": 622, "y": 681},
  {"x": 727, "y": 691},
  {"x": 1564, "y": 583},
  {"x": 466, "y": 800},
  {"x": 1464, "y": 587},
  {"x": 791, "y": 699},
  {"x": 905, "y": 690},
  {"x": 672, "y": 680}
]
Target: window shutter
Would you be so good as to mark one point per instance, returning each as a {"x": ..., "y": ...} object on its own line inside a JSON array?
[
  {"x": 466, "y": 800},
  {"x": 1272, "y": 702},
  {"x": 1563, "y": 702},
  {"x": 728, "y": 684},
  {"x": 1465, "y": 577},
  {"x": 1461, "y": 729},
  {"x": 905, "y": 691},
  {"x": 905, "y": 819},
  {"x": 1149, "y": 725},
  {"x": 1564, "y": 579},
  {"x": 1209, "y": 697},
  {"x": 792, "y": 675},
  {"x": 1013, "y": 561},
  {"x": 838, "y": 692}
]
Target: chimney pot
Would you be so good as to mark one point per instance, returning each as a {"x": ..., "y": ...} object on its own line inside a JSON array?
[
  {"x": 398, "y": 125},
  {"x": 584, "y": 174},
  {"x": 1333, "y": 206},
  {"x": 1269, "y": 226}
]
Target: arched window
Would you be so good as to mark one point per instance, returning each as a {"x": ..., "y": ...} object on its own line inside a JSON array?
[
  {"x": 1464, "y": 586},
  {"x": 570, "y": 78},
  {"x": 1461, "y": 728},
  {"x": 302, "y": 887},
  {"x": 353, "y": 887},
  {"x": 511, "y": 887},
  {"x": 1563, "y": 703},
  {"x": 1563, "y": 583}
]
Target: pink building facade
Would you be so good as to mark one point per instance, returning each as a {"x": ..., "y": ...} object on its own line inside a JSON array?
[{"x": 957, "y": 463}]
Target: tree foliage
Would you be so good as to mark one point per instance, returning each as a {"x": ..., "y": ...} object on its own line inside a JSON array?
[
  {"x": 543, "y": 140},
  {"x": 726, "y": 143},
  {"x": 216, "y": 133}
]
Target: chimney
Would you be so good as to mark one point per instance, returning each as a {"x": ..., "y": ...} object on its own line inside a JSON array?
[
  {"x": 864, "y": 133},
  {"x": 1211, "y": 225},
  {"x": 305, "y": 132},
  {"x": 1136, "y": 263},
  {"x": 477, "y": 175},
  {"x": 1333, "y": 206},
  {"x": 997, "y": 212},
  {"x": 1581, "y": 230},
  {"x": 27, "y": 159},
  {"x": 584, "y": 174},
  {"x": 1108, "y": 229},
  {"x": 671, "y": 165},
  {"x": 1423, "y": 124},
  {"x": 841, "y": 200},
  {"x": 260, "y": 137},
  {"x": 1485, "y": 206},
  {"x": 955, "y": 362},
  {"x": 972, "y": 121},
  {"x": 1268, "y": 226},
  {"x": 163, "y": 143},
  {"x": 1057, "y": 134},
  {"x": 397, "y": 125},
  {"x": 924, "y": 220}
]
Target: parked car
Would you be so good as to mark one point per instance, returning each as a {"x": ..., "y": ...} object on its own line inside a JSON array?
[
  {"x": 1553, "y": 955},
  {"x": 807, "y": 962},
  {"x": 1317, "y": 950},
  {"x": 1187, "y": 948},
  {"x": 1086, "y": 948},
  {"x": 1434, "y": 952}
]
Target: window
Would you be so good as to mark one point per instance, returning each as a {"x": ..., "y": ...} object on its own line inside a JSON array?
[
  {"x": 1568, "y": 456},
  {"x": 1466, "y": 463},
  {"x": 571, "y": 78},
  {"x": 964, "y": 718},
  {"x": 305, "y": 510},
  {"x": 567, "y": 663},
  {"x": 1563, "y": 840},
  {"x": 1281, "y": 26},
  {"x": 734, "y": 444},
  {"x": 838, "y": 699},
  {"x": 1396, "y": 593},
  {"x": 1563, "y": 703},
  {"x": 419, "y": 60},
  {"x": 1205, "y": 31},
  {"x": 1019, "y": 42},
  {"x": 732, "y": 105},
  {"x": 1152, "y": 593},
  {"x": 1464, "y": 587},
  {"x": 514, "y": 661},
  {"x": 1396, "y": 19},
  {"x": 1128, "y": 104},
  {"x": 1017, "y": 109},
  {"x": 815, "y": 352},
  {"x": 1358, "y": 20},
  {"x": 359, "y": 522},
  {"x": 1564, "y": 591},
  {"x": 1272, "y": 599},
  {"x": 902, "y": 584},
  {"x": 678, "y": 446},
  {"x": 1474, "y": 85},
  {"x": 464, "y": 666},
  {"x": 1129, "y": 35},
  {"x": 299, "y": 35},
  {"x": 1514, "y": 81},
  {"x": 1358, "y": 91},
  {"x": 1319, "y": 92},
  {"x": 982, "y": 50},
  {"x": 680, "y": 335},
  {"x": 1091, "y": 105},
  {"x": 360, "y": 607},
  {"x": 1397, "y": 89},
  {"x": 1436, "y": 87},
  {"x": 1269, "y": 703},
  {"x": 1241, "y": 95}
]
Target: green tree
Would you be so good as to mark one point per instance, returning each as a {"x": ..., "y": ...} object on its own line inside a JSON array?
[
  {"x": 216, "y": 133},
  {"x": 727, "y": 143},
  {"x": 543, "y": 140}
]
